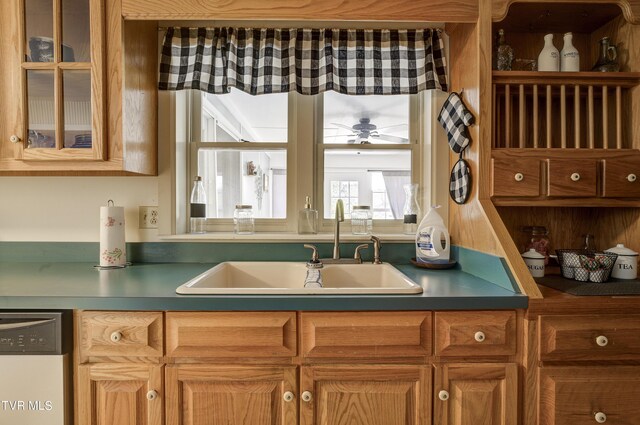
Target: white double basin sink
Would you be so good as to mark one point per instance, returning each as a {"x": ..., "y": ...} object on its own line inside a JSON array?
[{"x": 288, "y": 278}]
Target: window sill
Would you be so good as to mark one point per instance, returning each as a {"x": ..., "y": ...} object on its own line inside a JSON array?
[{"x": 283, "y": 237}]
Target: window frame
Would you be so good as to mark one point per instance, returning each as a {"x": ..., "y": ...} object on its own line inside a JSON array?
[{"x": 430, "y": 165}]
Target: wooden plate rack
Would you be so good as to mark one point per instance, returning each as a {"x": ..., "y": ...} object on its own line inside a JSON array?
[{"x": 580, "y": 110}]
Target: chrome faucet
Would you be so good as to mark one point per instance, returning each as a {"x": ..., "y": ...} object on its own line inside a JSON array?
[{"x": 336, "y": 235}]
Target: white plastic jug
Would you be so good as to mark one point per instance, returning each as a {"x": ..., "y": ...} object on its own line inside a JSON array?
[{"x": 429, "y": 236}]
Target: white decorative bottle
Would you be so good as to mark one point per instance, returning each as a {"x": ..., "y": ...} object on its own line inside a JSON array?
[
  {"x": 569, "y": 56},
  {"x": 549, "y": 58}
]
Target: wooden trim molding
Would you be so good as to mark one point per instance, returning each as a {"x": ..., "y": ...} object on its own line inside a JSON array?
[{"x": 317, "y": 10}]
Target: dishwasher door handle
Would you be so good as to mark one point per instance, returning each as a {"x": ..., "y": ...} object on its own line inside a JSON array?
[{"x": 18, "y": 325}]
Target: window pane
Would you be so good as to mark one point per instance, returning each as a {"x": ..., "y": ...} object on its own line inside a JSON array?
[
  {"x": 77, "y": 108},
  {"x": 42, "y": 123},
  {"x": 366, "y": 119},
  {"x": 75, "y": 31},
  {"x": 240, "y": 117},
  {"x": 233, "y": 176},
  {"x": 38, "y": 30},
  {"x": 373, "y": 177}
]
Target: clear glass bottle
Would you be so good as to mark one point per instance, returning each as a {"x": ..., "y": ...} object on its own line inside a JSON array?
[
  {"x": 411, "y": 209},
  {"x": 307, "y": 219},
  {"x": 198, "y": 212},
  {"x": 538, "y": 240},
  {"x": 361, "y": 220},
  {"x": 243, "y": 222},
  {"x": 504, "y": 53}
]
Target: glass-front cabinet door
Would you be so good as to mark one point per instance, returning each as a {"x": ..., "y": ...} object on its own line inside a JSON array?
[{"x": 62, "y": 82}]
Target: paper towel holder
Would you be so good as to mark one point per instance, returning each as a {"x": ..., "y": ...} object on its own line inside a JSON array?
[{"x": 112, "y": 217}]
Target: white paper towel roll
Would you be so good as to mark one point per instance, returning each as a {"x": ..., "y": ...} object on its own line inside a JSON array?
[{"x": 113, "y": 251}]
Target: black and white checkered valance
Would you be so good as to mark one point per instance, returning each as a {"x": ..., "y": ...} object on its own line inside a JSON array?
[{"x": 309, "y": 61}]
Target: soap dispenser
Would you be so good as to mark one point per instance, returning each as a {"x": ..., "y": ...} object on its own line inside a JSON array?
[{"x": 307, "y": 219}]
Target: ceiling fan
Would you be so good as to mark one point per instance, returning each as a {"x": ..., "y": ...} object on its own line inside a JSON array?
[{"x": 363, "y": 130}]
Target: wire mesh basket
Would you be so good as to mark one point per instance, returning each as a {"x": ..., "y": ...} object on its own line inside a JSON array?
[{"x": 586, "y": 265}]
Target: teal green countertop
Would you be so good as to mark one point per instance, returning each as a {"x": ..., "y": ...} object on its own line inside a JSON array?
[{"x": 151, "y": 286}]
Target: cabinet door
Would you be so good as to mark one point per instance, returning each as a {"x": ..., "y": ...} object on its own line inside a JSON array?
[
  {"x": 238, "y": 395},
  {"x": 62, "y": 80},
  {"x": 119, "y": 394},
  {"x": 589, "y": 395},
  {"x": 365, "y": 395},
  {"x": 475, "y": 394}
]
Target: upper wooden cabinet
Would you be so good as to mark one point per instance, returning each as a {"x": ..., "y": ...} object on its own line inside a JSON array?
[
  {"x": 79, "y": 89},
  {"x": 580, "y": 125}
]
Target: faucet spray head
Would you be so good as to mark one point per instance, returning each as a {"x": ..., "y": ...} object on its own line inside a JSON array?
[{"x": 339, "y": 210}]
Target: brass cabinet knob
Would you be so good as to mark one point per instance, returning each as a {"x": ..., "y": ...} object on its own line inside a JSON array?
[
  {"x": 116, "y": 336},
  {"x": 288, "y": 396},
  {"x": 152, "y": 395},
  {"x": 14, "y": 139},
  {"x": 306, "y": 396}
]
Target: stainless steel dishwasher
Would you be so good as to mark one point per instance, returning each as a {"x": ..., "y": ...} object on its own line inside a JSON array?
[{"x": 34, "y": 365}]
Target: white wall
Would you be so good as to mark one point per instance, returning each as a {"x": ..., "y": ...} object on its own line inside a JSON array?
[{"x": 67, "y": 209}]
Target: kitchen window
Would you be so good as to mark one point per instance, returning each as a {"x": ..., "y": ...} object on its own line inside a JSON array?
[{"x": 264, "y": 151}]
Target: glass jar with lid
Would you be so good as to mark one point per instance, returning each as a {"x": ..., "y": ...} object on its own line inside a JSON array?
[
  {"x": 243, "y": 222},
  {"x": 538, "y": 240},
  {"x": 361, "y": 220}
]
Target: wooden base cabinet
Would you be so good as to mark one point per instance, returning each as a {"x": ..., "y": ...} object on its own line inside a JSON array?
[
  {"x": 238, "y": 395},
  {"x": 590, "y": 395},
  {"x": 475, "y": 394},
  {"x": 365, "y": 395},
  {"x": 119, "y": 394}
]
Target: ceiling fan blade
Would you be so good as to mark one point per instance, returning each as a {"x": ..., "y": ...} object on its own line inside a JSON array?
[
  {"x": 392, "y": 126},
  {"x": 391, "y": 139},
  {"x": 342, "y": 126}
]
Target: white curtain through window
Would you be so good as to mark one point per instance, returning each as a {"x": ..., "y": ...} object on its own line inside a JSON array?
[{"x": 394, "y": 182}]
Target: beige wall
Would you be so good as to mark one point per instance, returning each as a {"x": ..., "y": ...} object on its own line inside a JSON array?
[{"x": 67, "y": 209}]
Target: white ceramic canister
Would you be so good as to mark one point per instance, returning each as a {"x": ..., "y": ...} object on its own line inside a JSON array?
[
  {"x": 535, "y": 262},
  {"x": 569, "y": 56},
  {"x": 626, "y": 266},
  {"x": 549, "y": 58}
]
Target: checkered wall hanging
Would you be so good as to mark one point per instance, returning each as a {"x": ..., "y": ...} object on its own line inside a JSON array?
[
  {"x": 309, "y": 61},
  {"x": 455, "y": 118}
]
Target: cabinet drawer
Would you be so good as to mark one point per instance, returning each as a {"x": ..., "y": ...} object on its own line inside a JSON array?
[
  {"x": 366, "y": 334},
  {"x": 621, "y": 178},
  {"x": 519, "y": 177},
  {"x": 231, "y": 335},
  {"x": 575, "y": 395},
  {"x": 572, "y": 178},
  {"x": 120, "y": 334},
  {"x": 482, "y": 333},
  {"x": 590, "y": 337}
]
